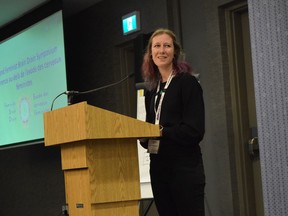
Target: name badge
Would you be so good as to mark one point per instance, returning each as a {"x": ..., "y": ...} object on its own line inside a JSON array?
[{"x": 153, "y": 146}]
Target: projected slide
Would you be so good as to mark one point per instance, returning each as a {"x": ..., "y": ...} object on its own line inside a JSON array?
[{"x": 32, "y": 74}]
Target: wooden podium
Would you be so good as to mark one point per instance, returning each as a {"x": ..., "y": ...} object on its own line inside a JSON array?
[{"x": 99, "y": 158}]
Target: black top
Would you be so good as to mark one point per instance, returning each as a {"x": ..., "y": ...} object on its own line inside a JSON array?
[{"x": 182, "y": 117}]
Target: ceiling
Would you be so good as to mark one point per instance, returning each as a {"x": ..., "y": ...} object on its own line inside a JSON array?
[{"x": 11, "y": 10}]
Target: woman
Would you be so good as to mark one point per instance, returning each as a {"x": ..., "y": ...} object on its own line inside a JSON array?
[{"x": 174, "y": 101}]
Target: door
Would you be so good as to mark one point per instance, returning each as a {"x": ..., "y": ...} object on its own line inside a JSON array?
[
  {"x": 128, "y": 99},
  {"x": 245, "y": 141}
]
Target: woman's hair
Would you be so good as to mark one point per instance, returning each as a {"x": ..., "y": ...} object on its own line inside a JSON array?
[{"x": 150, "y": 72}]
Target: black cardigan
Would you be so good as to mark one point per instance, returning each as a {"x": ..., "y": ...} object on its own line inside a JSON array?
[{"x": 182, "y": 117}]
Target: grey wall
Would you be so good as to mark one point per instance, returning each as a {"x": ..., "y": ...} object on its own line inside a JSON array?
[
  {"x": 201, "y": 41},
  {"x": 95, "y": 38},
  {"x": 31, "y": 181},
  {"x": 269, "y": 33}
]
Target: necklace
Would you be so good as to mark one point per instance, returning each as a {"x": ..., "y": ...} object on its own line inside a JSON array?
[{"x": 161, "y": 94}]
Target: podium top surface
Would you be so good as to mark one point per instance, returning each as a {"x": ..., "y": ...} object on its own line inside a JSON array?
[{"x": 85, "y": 122}]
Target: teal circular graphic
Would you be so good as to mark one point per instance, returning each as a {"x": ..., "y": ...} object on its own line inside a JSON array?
[{"x": 24, "y": 110}]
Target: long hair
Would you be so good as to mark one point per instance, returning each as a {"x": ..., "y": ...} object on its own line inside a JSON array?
[{"x": 150, "y": 72}]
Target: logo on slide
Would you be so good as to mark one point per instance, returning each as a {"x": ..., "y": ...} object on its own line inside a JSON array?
[{"x": 24, "y": 109}]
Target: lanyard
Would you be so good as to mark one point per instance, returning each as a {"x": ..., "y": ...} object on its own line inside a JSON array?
[{"x": 158, "y": 111}]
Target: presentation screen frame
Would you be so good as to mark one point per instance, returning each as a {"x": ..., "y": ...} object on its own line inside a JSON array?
[{"x": 41, "y": 65}]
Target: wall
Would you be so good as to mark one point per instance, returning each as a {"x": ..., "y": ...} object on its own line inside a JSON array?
[
  {"x": 31, "y": 181},
  {"x": 201, "y": 42},
  {"x": 95, "y": 43},
  {"x": 269, "y": 31}
]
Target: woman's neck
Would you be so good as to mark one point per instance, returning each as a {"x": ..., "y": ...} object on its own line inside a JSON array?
[{"x": 165, "y": 74}]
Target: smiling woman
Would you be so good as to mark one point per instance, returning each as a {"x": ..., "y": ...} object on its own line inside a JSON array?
[
  {"x": 163, "y": 54},
  {"x": 174, "y": 100}
]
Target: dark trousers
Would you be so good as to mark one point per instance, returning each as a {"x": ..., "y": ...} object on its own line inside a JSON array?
[{"x": 178, "y": 186}]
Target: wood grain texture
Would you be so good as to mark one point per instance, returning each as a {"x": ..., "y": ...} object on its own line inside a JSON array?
[
  {"x": 99, "y": 158},
  {"x": 82, "y": 121},
  {"x": 105, "y": 177},
  {"x": 77, "y": 188},
  {"x": 114, "y": 170},
  {"x": 74, "y": 155},
  {"x": 129, "y": 208}
]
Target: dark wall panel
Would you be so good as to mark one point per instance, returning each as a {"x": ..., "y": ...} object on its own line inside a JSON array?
[
  {"x": 31, "y": 181},
  {"x": 94, "y": 41}
]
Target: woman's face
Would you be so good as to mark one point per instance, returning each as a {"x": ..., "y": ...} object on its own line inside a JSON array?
[{"x": 162, "y": 50}]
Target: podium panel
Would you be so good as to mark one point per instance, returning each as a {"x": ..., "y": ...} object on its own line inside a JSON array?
[
  {"x": 117, "y": 209},
  {"x": 77, "y": 189},
  {"x": 99, "y": 158}
]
